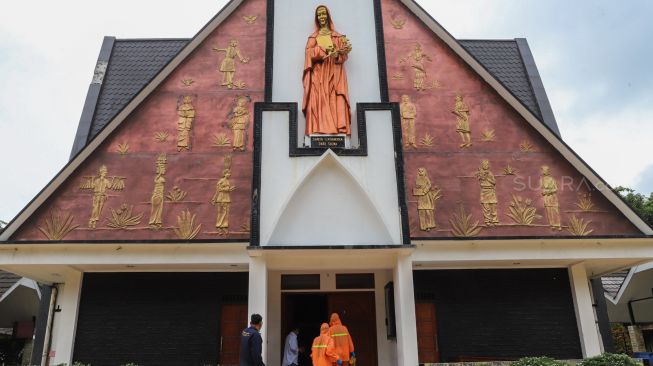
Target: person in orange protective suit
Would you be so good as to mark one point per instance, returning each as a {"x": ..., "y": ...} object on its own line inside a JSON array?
[
  {"x": 323, "y": 352},
  {"x": 341, "y": 339}
]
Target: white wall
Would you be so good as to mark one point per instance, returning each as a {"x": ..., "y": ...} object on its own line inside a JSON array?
[
  {"x": 329, "y": 200},
  {"x": 293, "y": 23}
]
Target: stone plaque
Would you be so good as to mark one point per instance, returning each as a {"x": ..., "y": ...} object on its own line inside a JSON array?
[{"x": 328, "y": 141}]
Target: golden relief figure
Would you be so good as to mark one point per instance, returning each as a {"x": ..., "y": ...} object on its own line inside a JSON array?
[
  {"x": 228, "y": 65},
  {"x": 157, "y": 199},
  {"x": 488, "y": 194},
  {"x": 239, "y": 122},
  {"x": 186, "y": 113},
  {"x": 222, "y": 199},
  {"x": 461, "y": 110},
  {"x": 326, "y": 93},
  {"x": 418, "y": 57},
  {"x": 427, "y": 195},
  {"x": 99, "y": 185},
  {"x": 550, "y": 194},
  {"x": 408, "y": 114}
]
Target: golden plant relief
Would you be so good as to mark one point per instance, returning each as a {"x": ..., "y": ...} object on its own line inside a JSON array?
[
  {"x": 461, "y": 111},
  {"x": 58, "y": 225},
  {"x": 157, "y": 199},
  {"x": 549, "y": 189},
  {"x": 398, "y": 23},
  {"x": 187, "y": 82},
  {"x": 427, "y": 195},
  {"x": 579, "y": 227},
  {"x": 221, "y": 140},
  {"x": 239, "y": 122},
  {"x": 250, "y": 19},
  {"x": 228, "y": 65},
  {"x": 585, "y": 202},
  {"x": 463, "y": 224},
  {"x": 398, "y": 76},
  {"x": 245, "y": 228},
  {"x": 161, "y": 136},
  {"x": 488, "y": 136},
  {"x": 427, "y": 140},
  {"x": 408, "y": 112},
  {"x": 416, "y": 59},
  {"x": 123, "y": 148},
  {"x": 489, "y": 200},
  {"x": 521, "y": 211},
  {"x": 526, "y": 147},
  {"x": 176, "y": 194},
  {"x": 100, "y": 185},
  {"x": 509, "y": 170},
  {"x": 186, "y": 228},
  {"x": 123, "y": 218},
  {"x": 186, "y": 114}
]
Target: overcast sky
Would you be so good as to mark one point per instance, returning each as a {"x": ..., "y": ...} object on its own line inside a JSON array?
[{"x": 594, "y": 58}]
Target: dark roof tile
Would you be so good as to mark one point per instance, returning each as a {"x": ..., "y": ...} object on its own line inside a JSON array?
[{"x": 6, "y": 281}]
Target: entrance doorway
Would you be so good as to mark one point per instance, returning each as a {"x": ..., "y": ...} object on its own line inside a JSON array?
[{"x": 309, "y": 310}]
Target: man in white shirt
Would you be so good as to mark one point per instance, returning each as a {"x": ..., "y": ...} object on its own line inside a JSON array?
[{"x": 291, "y": 349}]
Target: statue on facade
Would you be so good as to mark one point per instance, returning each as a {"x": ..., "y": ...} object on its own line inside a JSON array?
[
  {"x": 157, "y": 199},
  {"x": 408, "y": 114},
  {"x": 461, "y": 110},
  {"x": 488, "y": 193},
  {"x": 186, "y": 113},
  {"x": 427, "y": 195},
  {"x": 222, "y": 199},
  {"x": 238, "y": 123},
  {"x": 99, "y": 185},
  {"x": 228, "y": 64},
  {"x": 550, "y": 195},
  {"x": 326, "y": 96}
]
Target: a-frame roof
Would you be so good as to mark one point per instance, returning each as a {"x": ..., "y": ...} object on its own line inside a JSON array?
[{"x": 510, "y": 97}]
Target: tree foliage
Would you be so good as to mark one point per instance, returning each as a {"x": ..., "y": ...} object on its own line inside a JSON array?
[{"x": 642, "y": 204}]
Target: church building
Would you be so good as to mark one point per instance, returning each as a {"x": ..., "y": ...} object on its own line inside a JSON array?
[{"x": 299, "y": 158}]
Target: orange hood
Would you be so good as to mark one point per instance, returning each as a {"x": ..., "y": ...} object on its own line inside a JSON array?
[
  {"x": 335, "y": 319},
  {"x": 324, "y": 329}
]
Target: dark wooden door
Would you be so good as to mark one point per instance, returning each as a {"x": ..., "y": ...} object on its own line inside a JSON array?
[
  {"x": 357, "y": 312},
  {"x": 233, "y": 319},
  {"x": 427, "y": 332}
]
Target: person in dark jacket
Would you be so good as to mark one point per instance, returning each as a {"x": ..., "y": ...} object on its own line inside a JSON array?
[{"x": 251, "y": 343}]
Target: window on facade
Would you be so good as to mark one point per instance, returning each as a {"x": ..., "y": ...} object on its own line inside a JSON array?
[
  {"x": 355, "y": 281},
  {"x": 300, "y": 282}
]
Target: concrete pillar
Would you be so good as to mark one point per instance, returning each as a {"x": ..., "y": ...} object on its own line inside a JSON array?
[
  {"x": 405, "y": 312},
  {"x": 257, "y": 300},
  {"x": 65, "y": 321},
  {"x": 587, "y": 328}
]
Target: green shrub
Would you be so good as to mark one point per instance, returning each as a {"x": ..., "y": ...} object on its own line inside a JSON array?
[
  {"x": 610, "y": 359},
  {"x": 538, "y": 361}
]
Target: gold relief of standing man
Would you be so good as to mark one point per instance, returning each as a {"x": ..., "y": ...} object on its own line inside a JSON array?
[
  {"x": 326, "y": 92},
  {"x": 222, "y": 198},
  {"x": 461, "y": 110},
  {"x": 550, "y": 195},
  {"x": 488, "y": 194},
  {"x": 427, "y": 195},
  {"x": 100, "y": 185},
  {"x": 228, "y": 64},
  {"x": 186, "y": 113},
  {"x": 157, "y": 199},
  {"x": 408, "y": 114},
  {"x": 418, "y": 56},
  {"x": 239, "y": 123}
]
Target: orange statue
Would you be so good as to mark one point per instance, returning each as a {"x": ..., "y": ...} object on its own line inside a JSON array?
[{"x": 326, "y": 96}]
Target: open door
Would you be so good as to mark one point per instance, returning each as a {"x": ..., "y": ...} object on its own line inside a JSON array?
[
  {"x": 233, "y": 318},
  {"x": 427, "y": 332},
  {"x": 357, "y": 312}
]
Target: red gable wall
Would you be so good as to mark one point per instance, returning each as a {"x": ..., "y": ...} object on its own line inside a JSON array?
[
  {"x": 453, "y": 168},
  {"x": 196, "y": 171}
]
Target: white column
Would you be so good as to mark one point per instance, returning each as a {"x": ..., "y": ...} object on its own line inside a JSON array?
[
  {"x": 587, "y": 328},
  {"x": 405, "y": 312},
  {"x": 257, "y": 300},
  {"x": 65, "y": 321}
]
